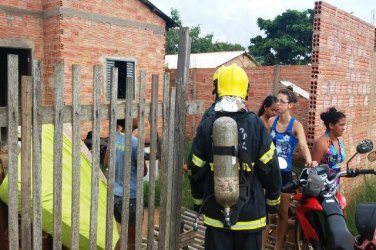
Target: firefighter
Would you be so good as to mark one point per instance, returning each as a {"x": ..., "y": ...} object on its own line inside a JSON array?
[{"x": 257, "y": 168}]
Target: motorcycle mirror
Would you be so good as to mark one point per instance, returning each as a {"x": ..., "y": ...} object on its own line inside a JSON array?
[
  {"x": 364, "y": 146},
  {"x": 282, "y": 163},
  {"x": 372, "y": 156}
]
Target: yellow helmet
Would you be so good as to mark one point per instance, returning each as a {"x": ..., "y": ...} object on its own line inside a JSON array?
[
  {"x": 216, "y": 74},
  {"x": 232, "y": 81}
]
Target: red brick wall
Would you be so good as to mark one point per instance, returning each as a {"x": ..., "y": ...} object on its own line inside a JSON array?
[
  {"x": 25, "y": 28},
  {"x": 342, "y": 74},
  {"x": 261, "y": 84},
  {"x": 87, "y": 43},
  {"x": 30, "y": 5},
  {"x": 73, "y": 37}
]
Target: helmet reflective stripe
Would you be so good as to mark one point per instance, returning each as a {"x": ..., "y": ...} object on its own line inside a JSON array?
[{"x": 232, "y": 81}]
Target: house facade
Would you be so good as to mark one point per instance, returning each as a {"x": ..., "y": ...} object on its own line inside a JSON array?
[{"x": 129, "y": 34}]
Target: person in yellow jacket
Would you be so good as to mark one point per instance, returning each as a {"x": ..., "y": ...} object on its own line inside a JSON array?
[{"x": 258, "y": 168}]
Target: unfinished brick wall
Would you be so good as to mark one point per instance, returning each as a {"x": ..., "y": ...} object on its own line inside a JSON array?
[
  {"x": 261, "y": 85},
  {"x": 342, "y": 74},
  {"x": 24, "y": 29},
  {"x": 86, "y": 33}
]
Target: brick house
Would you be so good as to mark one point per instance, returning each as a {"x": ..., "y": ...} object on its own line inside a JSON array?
[{"x": 128, "y": 34}]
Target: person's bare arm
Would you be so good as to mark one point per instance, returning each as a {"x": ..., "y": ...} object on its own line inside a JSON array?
[
  {"x": 270, "y": 123},
  {"x": 319, "y": 150},
  {"x": 303, "y": 144},
  {"x": 145, "y": 168},
  {"x": 106, "y": 159}
]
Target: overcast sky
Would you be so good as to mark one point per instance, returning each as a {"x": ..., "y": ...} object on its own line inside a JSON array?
[{"x": 235, "y": 21}]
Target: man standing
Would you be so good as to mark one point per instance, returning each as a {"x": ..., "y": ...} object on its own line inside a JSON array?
[
  {"x": 258, "y": 168},
  {"x": 118, "y": 185}
]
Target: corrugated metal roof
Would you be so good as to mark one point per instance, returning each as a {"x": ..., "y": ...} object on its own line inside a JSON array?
[{"x": 204, "y": 60}]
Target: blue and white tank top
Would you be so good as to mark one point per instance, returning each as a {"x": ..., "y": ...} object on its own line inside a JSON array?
[{"x": 284, "y": 142}]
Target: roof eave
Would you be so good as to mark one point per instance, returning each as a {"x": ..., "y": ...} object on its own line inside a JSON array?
[{"x": 169, "y": 22}]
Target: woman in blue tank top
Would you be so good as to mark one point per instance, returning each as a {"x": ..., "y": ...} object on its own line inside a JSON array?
[
  {"x": 286, "y": 133},
  {"x": 329, "y": 148}
]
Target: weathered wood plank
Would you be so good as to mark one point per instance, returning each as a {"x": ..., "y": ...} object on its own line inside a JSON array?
[
  {"x": 37, "y": 159},
  {"x": 58, "y": 145},
  {"x": 192, "y": 107},
  {"x": 76, "y": 159},
  {"x": 97, "y": 78},
  {"x": 26, "y": 102},
  {"x": 153, "y": 159},
  {"x": 140, "y": 159},
  {"x": 13, "y": 114},
  {"x": 181, "y": 95},
  {"x": 127, "y": 164},
  {"x": 112, "y": 159},
  {"x": 169, "y": 168},
  {"x": 163, "y": 162}
]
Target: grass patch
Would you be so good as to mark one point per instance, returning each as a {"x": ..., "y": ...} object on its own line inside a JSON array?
[
  {"x": 157, "y": 193},
  {"x": 186, "y": 194},
  {"x": 365, "y": 193}
]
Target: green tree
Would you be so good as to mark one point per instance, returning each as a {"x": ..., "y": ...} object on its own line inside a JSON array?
[
  {"x": 200, "y": 43},
  {"x": 287, "y": 40}
]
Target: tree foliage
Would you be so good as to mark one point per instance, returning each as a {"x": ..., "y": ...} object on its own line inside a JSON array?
[
  {"x": 200, "y": 43},
  {"x": 287, "y": 40}
]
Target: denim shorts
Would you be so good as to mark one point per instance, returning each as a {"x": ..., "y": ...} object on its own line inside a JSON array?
[{"x": 117, "y": 210}]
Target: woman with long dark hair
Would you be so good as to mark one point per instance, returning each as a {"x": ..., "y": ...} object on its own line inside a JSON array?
[
  {"x": 268, "y": 109},
  {"x": 329, "y": 147}
]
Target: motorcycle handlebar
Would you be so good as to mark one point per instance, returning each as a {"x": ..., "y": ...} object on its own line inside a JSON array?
[
  {"x": 356, "y": 172},
  {"x": 349, "y": 173},
  {"x": 290, "y": 185}
]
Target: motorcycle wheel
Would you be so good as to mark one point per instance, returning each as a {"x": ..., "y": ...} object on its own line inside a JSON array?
[{"x": 301, "y": 242}]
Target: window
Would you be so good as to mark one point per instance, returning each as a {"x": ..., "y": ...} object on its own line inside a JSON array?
[{"x": 125, "y": 69}]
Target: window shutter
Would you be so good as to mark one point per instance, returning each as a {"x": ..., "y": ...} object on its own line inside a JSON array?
[
  {"x": 109, "y": 65},
  {"x": 131, "y": 73}
]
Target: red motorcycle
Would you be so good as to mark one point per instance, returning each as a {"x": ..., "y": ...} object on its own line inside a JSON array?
[{"x": 320, "y": 222}]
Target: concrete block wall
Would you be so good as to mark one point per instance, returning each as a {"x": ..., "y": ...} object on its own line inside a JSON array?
[{"x": 342, "y": 74}]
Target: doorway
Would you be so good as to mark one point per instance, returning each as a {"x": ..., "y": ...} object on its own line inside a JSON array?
[{"x": 24, "y": 68}]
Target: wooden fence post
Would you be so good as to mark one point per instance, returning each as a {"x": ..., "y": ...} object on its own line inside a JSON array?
[
  {"x": 127, "y": 164},
  {"x": 58, "y": 145},
  {"x": 76, "y": 159},
  {"x": 13, "y": 151},
  {"x": 97, "y": 77},
  {"x": 140, "y": 160},
  {"x": 163, "y": 166},
  {"x": 112, "y": 159},
  {"x": 181, "y": 96},
  {"x": 26, "y": 101},
  {"x": 37, "y": 159},
  {"x": 153, "y": 154}
]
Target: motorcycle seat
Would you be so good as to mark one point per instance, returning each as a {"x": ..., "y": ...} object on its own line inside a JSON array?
[{"x": 365, "y": 219}]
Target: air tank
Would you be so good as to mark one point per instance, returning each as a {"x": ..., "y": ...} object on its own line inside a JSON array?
[{"x": 226, "y": 166}]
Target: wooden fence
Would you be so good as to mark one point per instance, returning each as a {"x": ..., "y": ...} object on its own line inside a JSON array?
[{"x": 32, "y": 115}]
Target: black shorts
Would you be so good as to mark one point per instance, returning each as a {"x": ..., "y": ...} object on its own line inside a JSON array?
[
  {"x": 286, "y": 178},
  {"x": 132, "y": 210}
]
